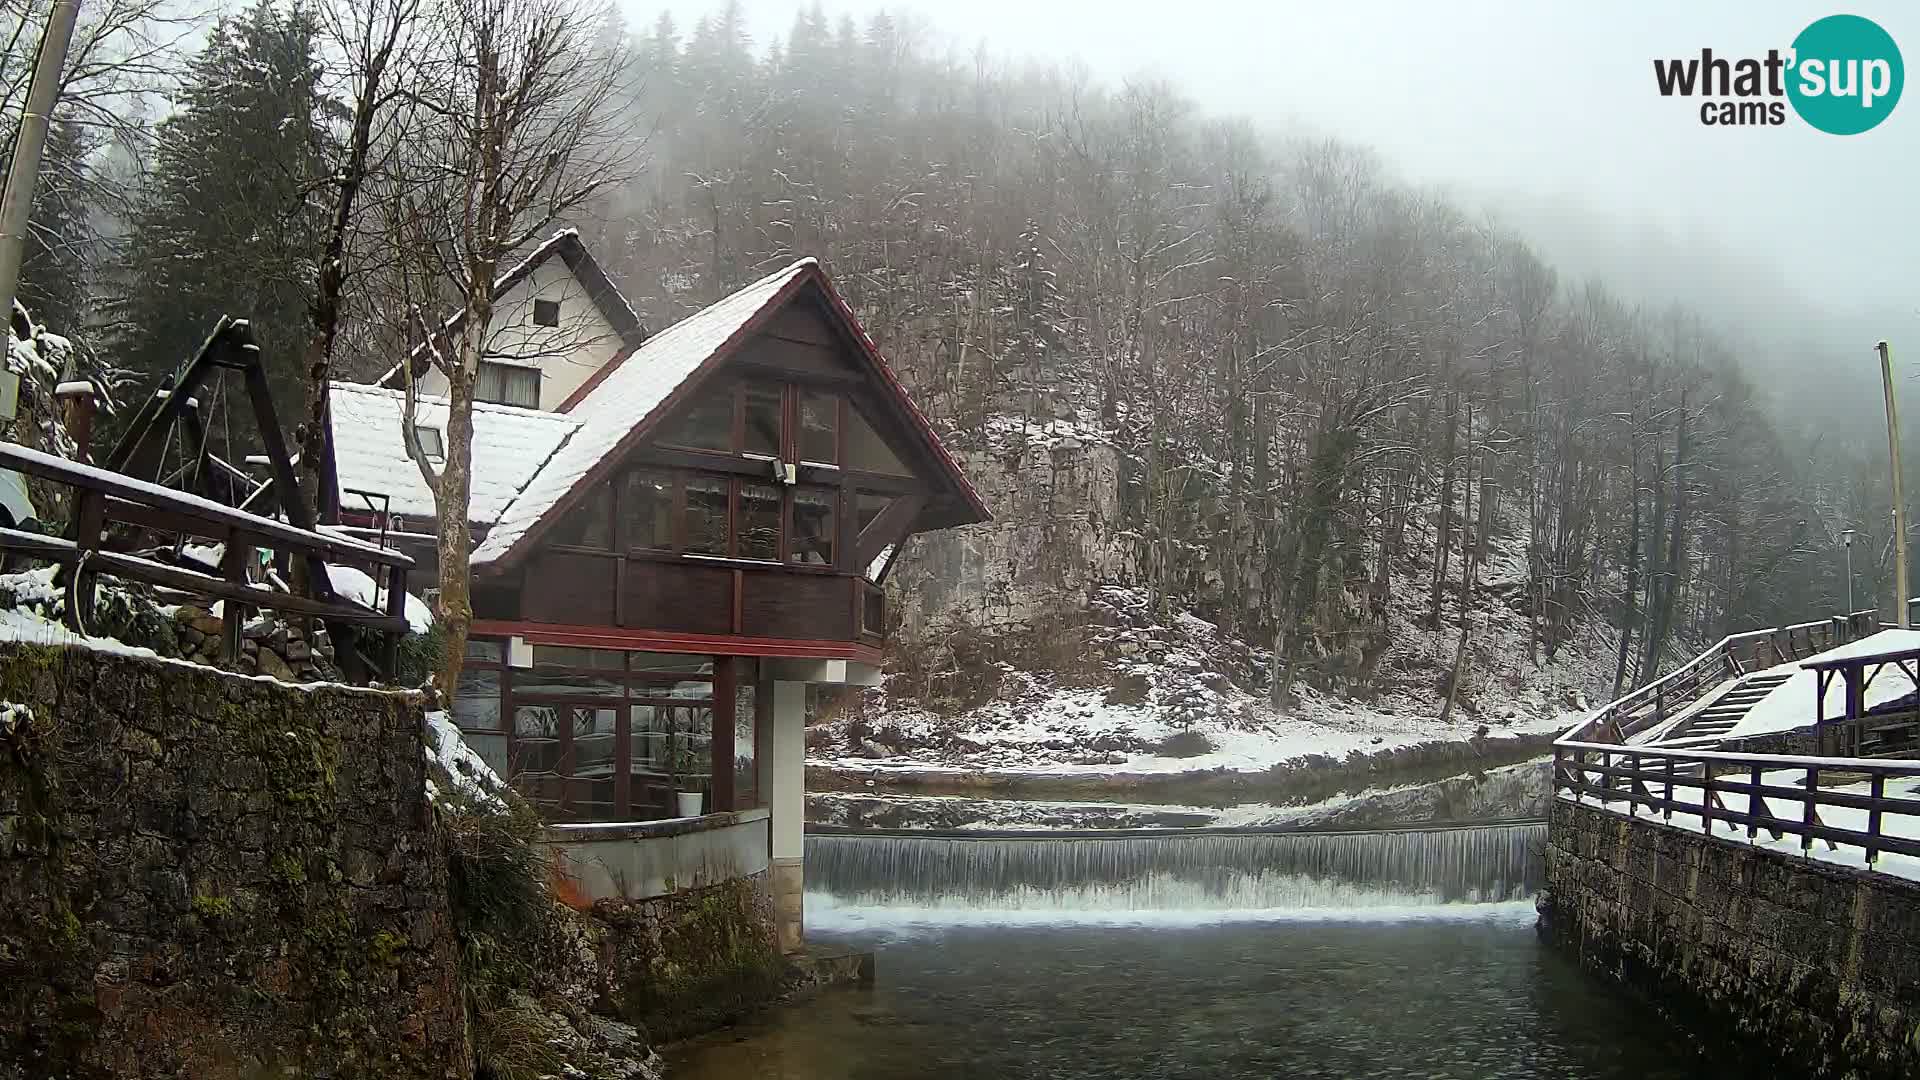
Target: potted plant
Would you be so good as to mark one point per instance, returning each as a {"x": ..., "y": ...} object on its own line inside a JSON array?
[{"x": 688, "y": 793}]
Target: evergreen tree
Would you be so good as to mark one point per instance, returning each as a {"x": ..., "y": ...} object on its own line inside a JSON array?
[
  {"x": 56, "y": 270},
  {"x": 231, "y": 216}
]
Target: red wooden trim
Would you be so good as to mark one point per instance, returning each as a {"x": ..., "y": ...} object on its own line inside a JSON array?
[{"x": 613, "y": 637}]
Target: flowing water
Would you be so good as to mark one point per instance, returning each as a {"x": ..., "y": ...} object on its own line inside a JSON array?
[{"x": 1399, "y": 955}]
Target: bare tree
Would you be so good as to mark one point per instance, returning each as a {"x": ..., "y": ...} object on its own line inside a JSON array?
[
  {"x": 518, "y": 127},
  {"x": 371, "y": 37}
]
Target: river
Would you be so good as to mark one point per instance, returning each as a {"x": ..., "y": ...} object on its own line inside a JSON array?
[{"x": 1361, "y": 956}]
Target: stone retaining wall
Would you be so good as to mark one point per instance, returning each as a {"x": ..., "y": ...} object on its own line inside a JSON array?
[
  {"x": 219, "y": 877},
  {"x": 1790, "y": 958}
]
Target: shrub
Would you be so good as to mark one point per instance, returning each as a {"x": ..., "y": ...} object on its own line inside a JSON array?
[
  {"x": 497, "y": 885},
  {"x": 1185, "y": 744}
]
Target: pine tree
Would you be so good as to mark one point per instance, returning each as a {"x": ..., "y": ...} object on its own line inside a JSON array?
[
  {"x": 231, "y": 216},
  {"x": 56, "y": 269}
]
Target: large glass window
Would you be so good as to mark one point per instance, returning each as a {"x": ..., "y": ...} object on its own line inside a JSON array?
[
  {"x": 813, "y": 526},
  {"x": 600, "y": 734},
  {"x": 867, "y": 451},
  {"x": 759, "y": 536},
  {"x": 589, "y": 524},
  {"x": 746, "y": 674},
  {"x": 819, "y": 427},
  {"x": 648, "y": 506},
  {"x": 707, "y": 515},
  {"x": 706, "y": 423},
  {"x": 763, "y": 419}
]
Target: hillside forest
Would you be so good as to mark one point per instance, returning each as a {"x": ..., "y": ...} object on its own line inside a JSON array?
[{"x": 1312, "y": 393}]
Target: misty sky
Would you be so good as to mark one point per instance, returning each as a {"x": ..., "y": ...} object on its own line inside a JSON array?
[{"x": 1545, "y": 109}]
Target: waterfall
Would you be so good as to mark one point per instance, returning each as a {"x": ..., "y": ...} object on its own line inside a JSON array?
[{"x": 1195, "y": 870}]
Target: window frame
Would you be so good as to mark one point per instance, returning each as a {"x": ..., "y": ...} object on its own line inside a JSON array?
[
  {"x": 513, "y": 370},
  {"x": 544, "y": 307}
]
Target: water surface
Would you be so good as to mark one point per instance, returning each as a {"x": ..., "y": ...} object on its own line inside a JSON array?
[{"x": 1460, "y": 991}]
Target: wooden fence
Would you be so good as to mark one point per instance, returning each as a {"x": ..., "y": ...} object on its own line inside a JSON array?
[
  {"x": 103, "y": 498},
  {"x": 1734, "y": 792}
]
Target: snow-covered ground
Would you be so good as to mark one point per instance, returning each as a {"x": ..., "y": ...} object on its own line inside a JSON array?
[
  {"x": 1078, "y": 732},
  {"x": 1512, "y": 791},
  {"x": 1903, "y": 825}
]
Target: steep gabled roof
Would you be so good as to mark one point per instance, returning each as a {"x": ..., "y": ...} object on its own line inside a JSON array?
[
  {"x": 509, "y": 446},
  {"x": 567, "y": 245},
  {"x": 626, "y": 398}
]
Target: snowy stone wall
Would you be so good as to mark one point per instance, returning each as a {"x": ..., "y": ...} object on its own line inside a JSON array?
[
  {"x": 215, "y": 876},
  {"x": 1779, "y": 957}
]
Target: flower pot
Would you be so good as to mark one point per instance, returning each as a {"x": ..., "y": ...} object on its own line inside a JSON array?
[{"x": 689, "y": 802}]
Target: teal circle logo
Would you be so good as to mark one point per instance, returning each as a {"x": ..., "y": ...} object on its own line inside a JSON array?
[{"x": 1846, "y": 75}]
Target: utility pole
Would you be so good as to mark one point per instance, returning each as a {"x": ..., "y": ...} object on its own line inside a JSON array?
[
  {"x": 1900, "y": 596},
  {"x": 29, "y": 139}
]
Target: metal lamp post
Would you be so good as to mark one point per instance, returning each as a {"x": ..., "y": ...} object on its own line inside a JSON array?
[
  {"x": 1846, "y": 539},
  {"x": 1900, "y": 596}
]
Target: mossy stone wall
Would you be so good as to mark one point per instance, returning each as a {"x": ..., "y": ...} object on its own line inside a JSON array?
[
  {"x": 214, "y": 876},
  {"x": 694, "y": 960},
  {"x": 1785, "y": 961}
]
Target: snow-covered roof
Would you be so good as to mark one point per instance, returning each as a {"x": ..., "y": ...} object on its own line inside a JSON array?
[
  {"x": 1880, "y": 644},
  {"x": 625, "y": 394},
  {"x": 509, "y": 446}
]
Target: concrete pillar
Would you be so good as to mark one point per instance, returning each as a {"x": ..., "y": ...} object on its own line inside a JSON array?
[{"x": 787, "y": 802}]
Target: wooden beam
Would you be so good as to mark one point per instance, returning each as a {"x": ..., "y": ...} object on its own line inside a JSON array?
[{"x": 889, "y": 526}]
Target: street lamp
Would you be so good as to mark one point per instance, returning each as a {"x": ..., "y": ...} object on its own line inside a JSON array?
[{"x": 1846, "y": 538}]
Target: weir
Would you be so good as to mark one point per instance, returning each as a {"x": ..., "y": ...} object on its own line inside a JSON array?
[{"x": 1185, "y": 870}]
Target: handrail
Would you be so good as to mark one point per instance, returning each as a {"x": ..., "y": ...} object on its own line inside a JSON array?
[
  {"x": 1627, "y": 707},
  {"x": 1625, "y": 775},
  {"x": 102, "y": 497}
]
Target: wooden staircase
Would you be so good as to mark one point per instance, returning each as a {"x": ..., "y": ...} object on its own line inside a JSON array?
[{"x": 1722, "y": 713}]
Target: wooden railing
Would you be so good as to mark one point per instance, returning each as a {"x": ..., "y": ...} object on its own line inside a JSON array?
[
  {"x": 103, "y": 498},
  {"x": 1731, "y": 656},
  {"x": 1734, "y": 793}
]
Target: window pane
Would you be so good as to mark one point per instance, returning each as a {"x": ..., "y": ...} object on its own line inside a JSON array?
[
  {"x": 649, "y": 733},
  {"x": 565, "y": 656},
  {"x": 707, "y": 516},
  {"x": 763, "y": 419},
  {"x": 745, "y": 674},
  {"x": 505, "y": 384},
  {"x": 759, "y": 522},
  {"x": 648, "y": 505},
  {"x": 813, "y": 526},
  {"x": 690, "y": 744},
  {"x": 589, "y": 524},
  {"x": 867, "y": 452},
  {"x": 476, "y": 701},
  {"x": 535, "y": 722},
  {"x": 593, "y": 737},
  {"x": 706, "y": 423},
  {"x": 485, "y": 650},
  {"x": 670, "y": 663},
  {"x": 819, "y": 419}
]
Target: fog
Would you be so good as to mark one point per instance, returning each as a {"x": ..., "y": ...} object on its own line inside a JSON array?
[{"x": 1546, "y": 114}]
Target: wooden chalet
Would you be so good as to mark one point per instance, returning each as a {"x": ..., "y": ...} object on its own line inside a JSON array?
[{"x": 674, "y": 533}]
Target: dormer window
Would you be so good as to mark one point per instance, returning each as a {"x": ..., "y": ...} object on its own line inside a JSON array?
[{"x": 546, "y": 313}]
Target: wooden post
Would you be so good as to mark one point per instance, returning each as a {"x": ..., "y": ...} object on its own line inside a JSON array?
[
  {"x": 1806, "y": 822},
  {"x": 233, "y": 566},
  {"x": 1754, "y": 805},
  {"x": 1706, "y": 797},
  {"x": 390, "y": 639},
  {"x": 1667, "y": 810},
  {"x": 1878, "y": 793},
  {"x": 89, "y": 528}
]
